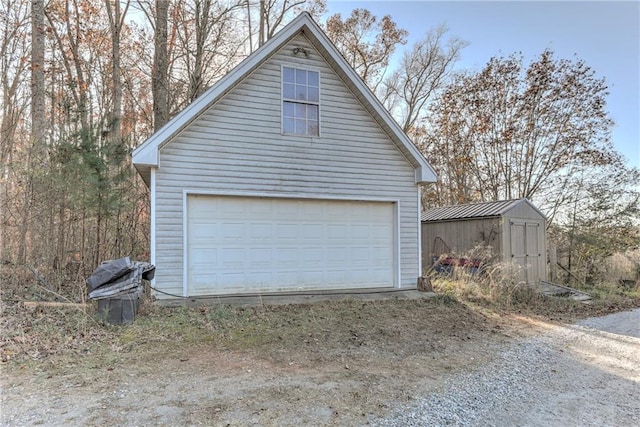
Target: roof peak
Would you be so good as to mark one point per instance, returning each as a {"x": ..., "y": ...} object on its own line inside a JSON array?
[{"x": 146, "y": 155}]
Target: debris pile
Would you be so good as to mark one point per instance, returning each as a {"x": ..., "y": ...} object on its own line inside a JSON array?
[{"x": 117, "y": 285}]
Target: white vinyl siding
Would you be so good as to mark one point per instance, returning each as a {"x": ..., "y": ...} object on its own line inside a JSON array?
[{"x": 237, "y": 147}]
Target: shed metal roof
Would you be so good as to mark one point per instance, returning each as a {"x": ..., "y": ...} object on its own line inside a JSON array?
[{"x": 474, "y": 210}]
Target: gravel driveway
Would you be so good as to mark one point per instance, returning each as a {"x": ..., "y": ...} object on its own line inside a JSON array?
[{"x": 587, "y": 374}]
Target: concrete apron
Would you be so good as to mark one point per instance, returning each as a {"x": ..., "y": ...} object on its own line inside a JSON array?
[{"x": 299, "y": 297}]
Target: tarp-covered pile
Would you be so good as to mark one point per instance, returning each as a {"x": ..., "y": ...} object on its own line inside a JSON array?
[{"x": 119, "y": 278}]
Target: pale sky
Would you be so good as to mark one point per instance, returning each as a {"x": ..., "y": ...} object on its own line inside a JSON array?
[{"x": 605, "y": 34}]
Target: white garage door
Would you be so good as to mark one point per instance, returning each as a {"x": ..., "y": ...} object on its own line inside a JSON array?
[{"x": 251, "y": 245}]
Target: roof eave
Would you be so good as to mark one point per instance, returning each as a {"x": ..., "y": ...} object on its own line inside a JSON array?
[{"x": 145, "y": 173}]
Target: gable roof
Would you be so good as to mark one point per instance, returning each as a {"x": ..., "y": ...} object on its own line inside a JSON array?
[
  {"x": 475, "y": 210},
  {"x": 146, "y": 155}
]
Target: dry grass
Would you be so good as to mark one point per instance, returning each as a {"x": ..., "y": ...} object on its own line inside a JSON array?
[
  {"x": 308, "y": 331},
  {"x": 496, "y": 288}
]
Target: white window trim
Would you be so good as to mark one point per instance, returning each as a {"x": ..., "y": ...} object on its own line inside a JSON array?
[{"x": 282, "y": 100}]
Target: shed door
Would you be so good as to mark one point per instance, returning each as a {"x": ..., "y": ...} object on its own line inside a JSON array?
[
  {"x": 527, "y": 251},
  {"x": 258, "y": 245}
]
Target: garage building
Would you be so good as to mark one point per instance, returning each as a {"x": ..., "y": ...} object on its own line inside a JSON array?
[{"x": 286, "y": 175}]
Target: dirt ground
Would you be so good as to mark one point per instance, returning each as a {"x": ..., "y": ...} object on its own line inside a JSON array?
[{"x": 333, "y": 363}]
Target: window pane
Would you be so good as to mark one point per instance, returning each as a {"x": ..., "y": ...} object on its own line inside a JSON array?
[
  {"x": 301, "y": 127},
  {"x": 312, "y": 112},
  {"x": 289, "y": 91},
  {"x": 313, "y": 78},
  {"x": 288, "y": 110},
  {"x": 301, "y": 92},
  {"x": 313, "y": 94},
  {"x": 312, "y": 128},
  {"x": 301, "y": 111},
  {"x": 288, "y": 75},
  {"x": 301, "y": 77},
  {"x": 288, "y": 125}
]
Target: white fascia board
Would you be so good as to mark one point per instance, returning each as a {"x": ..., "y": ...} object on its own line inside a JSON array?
[
  {"x": 424, "y": 171},
  {"x": 146, "y": 155},
  {"x": 147, "y": 152},
  {"x": 425, "y": 174}
]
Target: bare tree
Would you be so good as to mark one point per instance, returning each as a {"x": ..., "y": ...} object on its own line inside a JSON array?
[
  {"x": 206, "y": 45},
  {"x": 366, "y": 43},
  {"x": 422, "y": 72},
  {"x": 273, "y": 14},
  {"x": 522, "y": 129},
  {"x": 14, "y": 62}
]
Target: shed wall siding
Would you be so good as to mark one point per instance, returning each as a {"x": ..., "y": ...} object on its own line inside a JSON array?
[
  {"x": 460, "y": 236},
  {"x": 237, "y": 147}
]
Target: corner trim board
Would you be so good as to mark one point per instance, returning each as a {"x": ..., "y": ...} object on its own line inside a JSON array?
[{"x": 152, "y": 221}]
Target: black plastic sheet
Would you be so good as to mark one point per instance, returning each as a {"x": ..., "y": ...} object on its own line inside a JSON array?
[
  {"x": 118, "y": 277},
  {"x": 109, "y": 271}
]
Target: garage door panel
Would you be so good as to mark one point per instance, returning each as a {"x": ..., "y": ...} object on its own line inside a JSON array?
[
  {"x": 337, "y": 232},
  {"x": 313, "y": 231},
  {"x": 286, "y": 257},
  {"x": 230, "y": 207},
  {"x": 260, "y": 208},
  {"x": 309, "y": 211},
  {"x": 231, "y": 258},
  {"x": 336, "y": 255},
  {"x": 242, "y": 244},
  {"x": 201, "y": 256},
  {"x": 311, "y": 257},
  {"x": 379, "y": 255},
  {"x": 233, "y": 279},
  {"x": 287, "y": 209},
  {"x": 311, "y": 277},
  {"x": 232, "y": 231},
  {"x": 360, "y": 256},
  {"x": 285, "y": 276},
  {"x": 287, "y": 232},
  {"x": 259, "y": 257},
  {"x": 336, "y": 211}
]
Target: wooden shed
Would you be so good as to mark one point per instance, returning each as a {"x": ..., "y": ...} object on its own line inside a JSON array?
[{"x": 513, "y": 229}]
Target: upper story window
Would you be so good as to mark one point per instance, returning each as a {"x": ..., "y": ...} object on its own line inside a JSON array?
[{"x": 300, "y": 102}]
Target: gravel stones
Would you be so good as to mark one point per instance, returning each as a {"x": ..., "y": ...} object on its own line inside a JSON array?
[{"x": 585, "y": 374}]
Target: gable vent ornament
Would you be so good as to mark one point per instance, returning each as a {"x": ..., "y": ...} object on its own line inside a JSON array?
[{"x": 300, "y": 51}]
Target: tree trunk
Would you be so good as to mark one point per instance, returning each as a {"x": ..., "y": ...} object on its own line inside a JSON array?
[
  {"x": 38, "y": 124},
  {"x": 249, "y": 25},
  {"x": 263, "y": 11},
  {"x": 116, "y": 20},
  {"x": 160, "y": 67}
]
